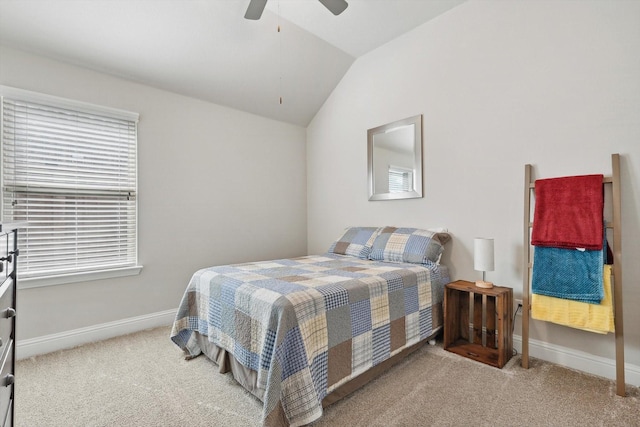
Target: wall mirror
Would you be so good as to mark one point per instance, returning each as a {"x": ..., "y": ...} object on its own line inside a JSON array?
[{"x": 394, "y": 154}]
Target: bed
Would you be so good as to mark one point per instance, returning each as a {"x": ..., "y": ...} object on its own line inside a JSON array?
[{"x": 301, "y": 333}]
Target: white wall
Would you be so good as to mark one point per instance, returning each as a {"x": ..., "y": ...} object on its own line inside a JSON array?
[
  {"x": 500, "y": 84},
  {"x": 191, "y": 214}
]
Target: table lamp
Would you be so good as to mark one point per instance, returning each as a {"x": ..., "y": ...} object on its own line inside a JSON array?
[{"x": 483, "y": 259}]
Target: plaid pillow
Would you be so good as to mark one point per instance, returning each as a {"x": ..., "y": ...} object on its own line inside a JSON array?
[
  {"x": 411, "y": 245},
  {"x": 355, "y": 241}
]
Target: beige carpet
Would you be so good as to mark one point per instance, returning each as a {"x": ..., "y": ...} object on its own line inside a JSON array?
[{"x": 143, "y": 380}]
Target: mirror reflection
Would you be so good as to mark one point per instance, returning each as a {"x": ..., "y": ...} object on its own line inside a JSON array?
[{"x": 395, "y": 160}]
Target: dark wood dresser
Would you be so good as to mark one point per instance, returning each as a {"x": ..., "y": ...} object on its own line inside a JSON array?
[{"x": 8, "y": 265}]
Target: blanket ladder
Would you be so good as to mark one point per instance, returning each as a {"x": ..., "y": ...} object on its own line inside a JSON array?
[{"x": 616, "y": 227}]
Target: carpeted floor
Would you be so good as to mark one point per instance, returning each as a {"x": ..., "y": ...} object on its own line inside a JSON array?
[{"x": 143, "y": 380}]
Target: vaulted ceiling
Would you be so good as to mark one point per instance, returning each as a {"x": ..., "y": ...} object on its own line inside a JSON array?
[{"x": 206, "y": 49}]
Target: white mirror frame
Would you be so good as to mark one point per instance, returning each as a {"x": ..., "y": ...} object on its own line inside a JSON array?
[{"x": 416, "y": 191}]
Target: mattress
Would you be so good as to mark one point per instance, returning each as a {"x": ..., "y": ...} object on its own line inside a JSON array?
[{"x": 302, "y": 328}]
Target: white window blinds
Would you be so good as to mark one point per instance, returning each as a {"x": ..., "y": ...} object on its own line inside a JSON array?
[
  {"x": 400, "y": 179},
  {"x": 70, "y": 173}
]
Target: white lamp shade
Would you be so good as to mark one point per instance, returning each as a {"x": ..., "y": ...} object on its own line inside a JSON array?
[{"x": 483, "y": 254}]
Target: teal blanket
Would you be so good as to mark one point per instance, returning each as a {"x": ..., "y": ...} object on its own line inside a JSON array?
[{"x": 568, "y": 273}]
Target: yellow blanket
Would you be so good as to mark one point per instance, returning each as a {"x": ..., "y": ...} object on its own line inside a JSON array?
[{"x": 589, "y": 317}]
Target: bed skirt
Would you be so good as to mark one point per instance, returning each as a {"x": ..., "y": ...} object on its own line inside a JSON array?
[{"x": 247, "y": 377}]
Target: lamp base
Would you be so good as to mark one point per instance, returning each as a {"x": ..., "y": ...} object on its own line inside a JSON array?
[{"x": 483, "y": 284}]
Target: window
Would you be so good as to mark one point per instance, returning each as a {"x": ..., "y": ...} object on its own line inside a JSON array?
[
  {"x": 69, "y": 171},
  {"x": 400, "y": 179}
]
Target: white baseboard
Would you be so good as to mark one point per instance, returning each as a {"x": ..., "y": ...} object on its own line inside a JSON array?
[
  {"x": 574, "y": 359},
  {"x": 68, "y": 339},
  {"x": 563, "y": 356}
]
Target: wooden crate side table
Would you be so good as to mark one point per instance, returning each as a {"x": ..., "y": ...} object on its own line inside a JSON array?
[{"x": 478, "y": 322}]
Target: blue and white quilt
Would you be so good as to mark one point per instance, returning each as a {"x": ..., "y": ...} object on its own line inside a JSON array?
[{"x": 308, "y": 325}]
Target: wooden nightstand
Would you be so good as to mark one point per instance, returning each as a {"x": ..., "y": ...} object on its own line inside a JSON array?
[{"x": 478, "y": 322}]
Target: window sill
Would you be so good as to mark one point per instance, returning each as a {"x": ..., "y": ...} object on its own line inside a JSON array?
[{"x": 62, "y": 279}]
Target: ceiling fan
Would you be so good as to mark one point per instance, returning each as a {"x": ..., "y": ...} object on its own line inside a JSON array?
[{"x": 256, "y": 7}]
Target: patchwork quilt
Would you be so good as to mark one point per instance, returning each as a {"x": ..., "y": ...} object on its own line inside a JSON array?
[{"x": 308, "y": 325}]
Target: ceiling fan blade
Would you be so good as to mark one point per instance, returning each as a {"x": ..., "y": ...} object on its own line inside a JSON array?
[
  {"x": 335, "y": 6},
  {"x": 255, "y": 9}
]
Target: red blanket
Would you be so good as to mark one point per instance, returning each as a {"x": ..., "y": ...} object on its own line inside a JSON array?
[{"x": 568, "y": 212}]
